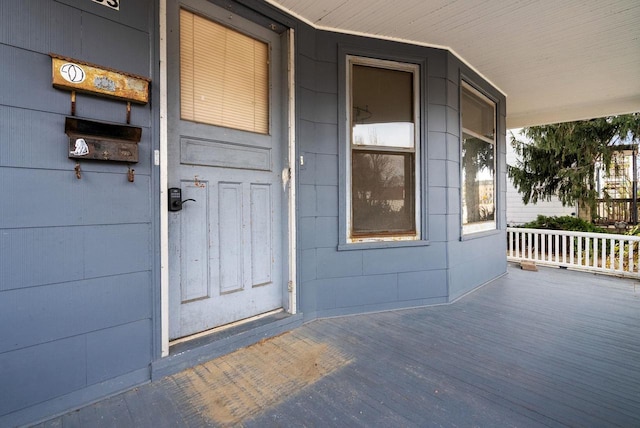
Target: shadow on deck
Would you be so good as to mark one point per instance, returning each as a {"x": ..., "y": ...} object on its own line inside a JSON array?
[{"x": 546, "y": 348}]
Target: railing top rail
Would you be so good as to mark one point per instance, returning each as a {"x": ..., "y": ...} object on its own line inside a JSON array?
[{"x": 573, "y": 233}]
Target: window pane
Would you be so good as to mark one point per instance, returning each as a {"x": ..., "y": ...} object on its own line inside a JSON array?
[
  {"x": 224, "y": 76},
  {"x": 478, "y": 180},
  {"x": 383, "y": 134},
  {"x": 382, "y": 107},
  {"x": 477, "y": 115},
  {"x": 382, "y": 193}
]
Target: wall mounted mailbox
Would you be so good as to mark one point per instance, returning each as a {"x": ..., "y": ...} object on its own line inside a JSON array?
[
  {"x": 102, "y": 141},
  {"x": 75, "y": 75}
]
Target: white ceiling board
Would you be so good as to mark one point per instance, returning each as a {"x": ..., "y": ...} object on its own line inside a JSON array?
[{"x": 557, "y": 60}]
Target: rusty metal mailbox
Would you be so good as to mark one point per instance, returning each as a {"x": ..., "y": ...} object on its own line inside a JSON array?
[{"x": 102, "y": 141}]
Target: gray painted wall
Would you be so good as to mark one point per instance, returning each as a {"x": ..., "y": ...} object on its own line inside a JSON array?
[
  {"x": 334, "y": 281},
  {"x": 79, "y": 298},
  {"x": 76, "y": 256}
]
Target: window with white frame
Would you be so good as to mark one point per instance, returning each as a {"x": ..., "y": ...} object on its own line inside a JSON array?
[
  {"x": 478, "y": 161},
  {"x": 383, "y": 196}
]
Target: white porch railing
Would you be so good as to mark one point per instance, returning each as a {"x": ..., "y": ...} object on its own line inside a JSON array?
[{"x": 597, "y": 252}]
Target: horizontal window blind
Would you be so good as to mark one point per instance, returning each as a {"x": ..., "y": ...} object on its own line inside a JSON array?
[{"x": 224, "y": 76}]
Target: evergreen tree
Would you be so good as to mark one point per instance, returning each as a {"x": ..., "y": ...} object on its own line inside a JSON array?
[{"x": 561, "y": 159}]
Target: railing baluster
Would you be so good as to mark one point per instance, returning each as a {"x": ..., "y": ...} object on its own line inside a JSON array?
[
  {"x": 619, "y": 256},
  {"x": 571, "y": 250},
  {"x": 580, "y": 251},
  {"x": 509, "y": 243},
  {"x": 604, "y": 253}
]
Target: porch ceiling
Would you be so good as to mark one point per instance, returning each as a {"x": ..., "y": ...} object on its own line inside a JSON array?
[{"x": 555, "y": 60}]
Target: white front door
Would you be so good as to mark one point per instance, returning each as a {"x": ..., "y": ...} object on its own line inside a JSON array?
[{"x": 226, "y": 152}]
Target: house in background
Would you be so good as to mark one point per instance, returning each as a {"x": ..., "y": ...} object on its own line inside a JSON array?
[
  {"x": 615, "y": 192},
  {"x": 289, "y": 161},
  {"x": 618, "y": 187}
]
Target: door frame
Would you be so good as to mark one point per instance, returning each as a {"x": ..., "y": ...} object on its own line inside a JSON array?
[{"x": 161, "y": 160}]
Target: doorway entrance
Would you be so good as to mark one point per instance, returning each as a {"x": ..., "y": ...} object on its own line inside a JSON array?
[{"x": 226, "y": 151}]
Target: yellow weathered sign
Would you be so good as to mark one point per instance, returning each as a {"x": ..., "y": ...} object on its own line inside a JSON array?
[{"x": 80, "y": 76}]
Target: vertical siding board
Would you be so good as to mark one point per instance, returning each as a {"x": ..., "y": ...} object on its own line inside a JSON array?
[
  {"x": 437, "y": 144},
  {"x": 326, "y": 232},
  {"x": 437, "y": 228},
  {"x": 307, "y": 175},
  {"x": 326, "y": 139},
  {"x": 437, "y": 91},
  {"x": 305, "y": 70},
  {"x": 326, "y": 200},
  {"x": 307, "y": 233},
  {"x": 306, "y": 138},
  {"x": 326, "y": 170},
  {"x": 437, "y": 173}
]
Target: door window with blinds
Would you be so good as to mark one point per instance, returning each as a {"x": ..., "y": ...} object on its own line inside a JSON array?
[
  {"x": 383, "y": 188},
  {"x": 224, "y": 76}
]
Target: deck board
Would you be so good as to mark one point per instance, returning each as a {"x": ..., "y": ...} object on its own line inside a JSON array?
[{"x": 552, "y": 348}]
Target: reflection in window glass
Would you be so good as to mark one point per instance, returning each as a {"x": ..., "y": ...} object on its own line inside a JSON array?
[
  {"x": 382, "y": 192},
  {"x": 478, "y": 178},
  {"x": 478, "y": 161},
  {"x": 383, "y": 134},
  {"x": 383, "y": 176},
  {"x": 382, "y": 110}
]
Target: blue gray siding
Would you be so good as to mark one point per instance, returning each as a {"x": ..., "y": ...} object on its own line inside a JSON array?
[
  {"x": 79, "y": 271},
  {"x": 336, "y": 281},
  {"x": 76, "y": 256}
]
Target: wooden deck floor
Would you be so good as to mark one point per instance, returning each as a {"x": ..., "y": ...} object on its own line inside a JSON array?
[{"x": 547, "y": 348}]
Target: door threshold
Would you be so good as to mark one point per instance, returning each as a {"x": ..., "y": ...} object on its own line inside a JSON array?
[
  {"x": 222, "y": 328},
  {"x": 192, "y": 350}
]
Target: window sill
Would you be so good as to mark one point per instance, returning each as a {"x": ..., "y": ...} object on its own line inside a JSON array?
[
  {"x": 480, "y": 234},
  {"x": 381, "y": 244}
]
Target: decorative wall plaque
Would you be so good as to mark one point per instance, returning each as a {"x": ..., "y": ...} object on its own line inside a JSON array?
[{"x": 75, "y": 75}]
